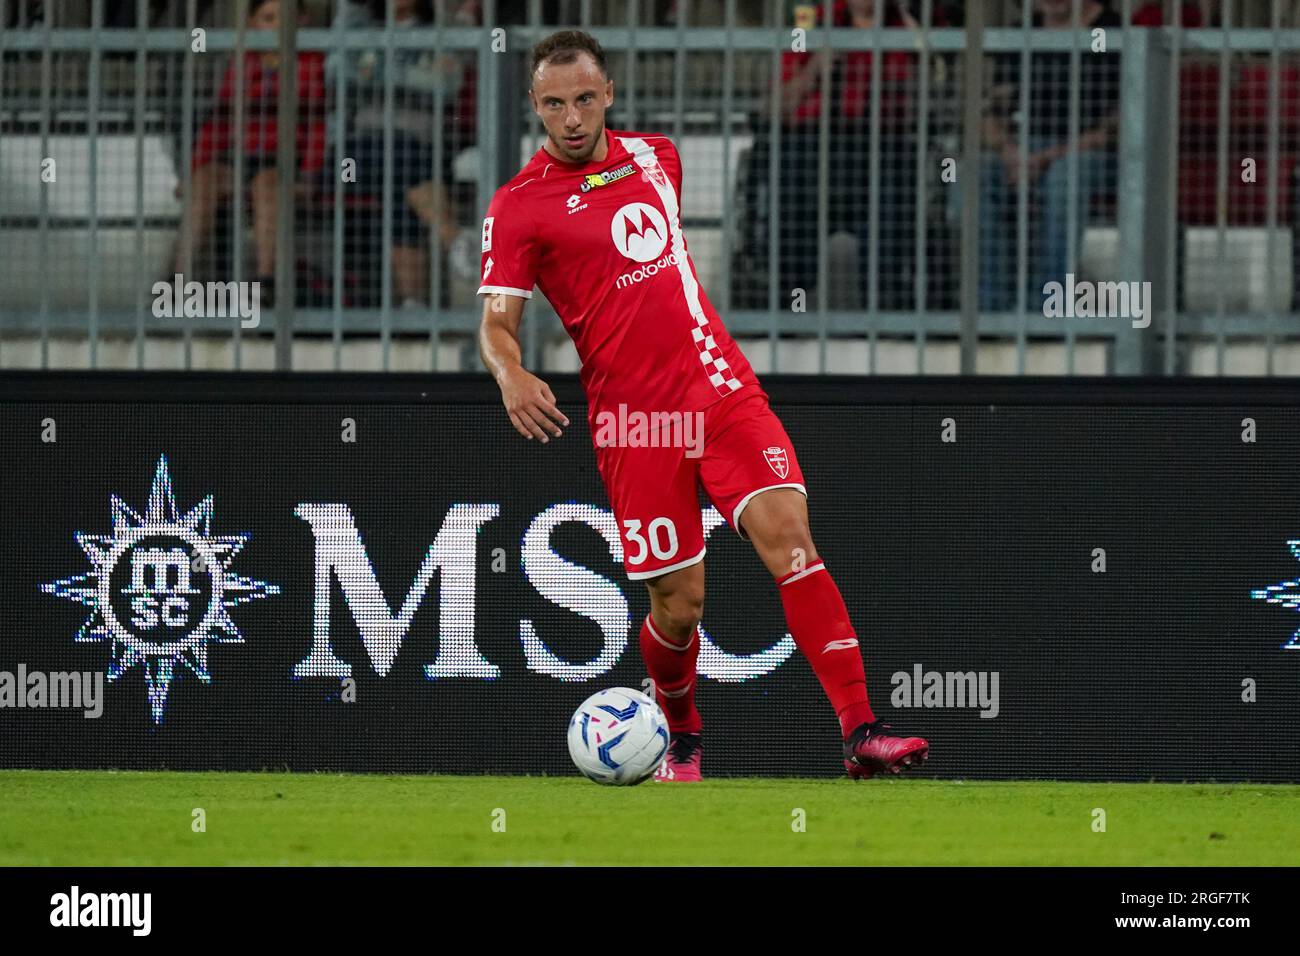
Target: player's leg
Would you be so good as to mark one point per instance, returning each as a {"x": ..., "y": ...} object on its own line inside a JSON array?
[
  {"x": 654, "y": 494},
  {"x": 670, "y": 644},
  {"x": 750, "y": 471},
  {"x": 776, "y": 521}
]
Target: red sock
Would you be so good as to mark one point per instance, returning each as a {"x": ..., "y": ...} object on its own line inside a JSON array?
[
  {"x": 819, "y": 623},
  {"x": 672, "y": 667}
]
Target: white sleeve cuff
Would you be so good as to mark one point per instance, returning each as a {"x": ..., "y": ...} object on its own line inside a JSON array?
[{"x": 504, "y": 290}]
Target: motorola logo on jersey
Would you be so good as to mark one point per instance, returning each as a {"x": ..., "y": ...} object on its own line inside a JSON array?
[
  {"x": 639, "y": 232},
  {"x": 648, "y": 270}
]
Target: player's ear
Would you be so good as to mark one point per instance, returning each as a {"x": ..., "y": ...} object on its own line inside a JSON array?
[{"x": 609, "y": 93}]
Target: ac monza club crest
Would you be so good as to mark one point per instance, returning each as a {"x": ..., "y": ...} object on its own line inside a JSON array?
[
  {"x": 777, "y": 460},
  {"x": 657, "y": 175}
]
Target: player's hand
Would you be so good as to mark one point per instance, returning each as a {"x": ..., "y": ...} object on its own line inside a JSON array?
[{"x": 530, "y": 403}]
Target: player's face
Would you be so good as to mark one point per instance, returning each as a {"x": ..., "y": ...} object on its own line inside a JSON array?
[{"x": 571, "y": 99}]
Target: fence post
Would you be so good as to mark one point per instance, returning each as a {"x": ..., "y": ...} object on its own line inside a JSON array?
[
  {"x": 500, "y": 128},
  {"x": 972, "y": 136},
  {"x": 1146, "y": 194},
  {"x": 488, "y": 108},
  {"x": 286, "y": 161}
]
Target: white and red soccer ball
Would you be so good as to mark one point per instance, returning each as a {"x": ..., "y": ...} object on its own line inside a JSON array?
[{"x": 618, "y": 736}]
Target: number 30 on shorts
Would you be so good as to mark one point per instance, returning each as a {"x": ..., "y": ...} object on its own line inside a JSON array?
[{"x": 660, "y": 539}]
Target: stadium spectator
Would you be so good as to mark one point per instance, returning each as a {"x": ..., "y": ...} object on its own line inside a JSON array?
[
  {"x": 213, "y": 155},
  {"x": 1153, "y": 15},
  {"x": 850, "y": 148},
  {"x": 159, "y": 13},
  {"x": 420, "y": 201},
  {"x": 1048, "y": 162},
  {"x": 25, "y": 15}
]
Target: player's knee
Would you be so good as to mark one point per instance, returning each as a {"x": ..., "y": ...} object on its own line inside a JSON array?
[
  {"x": 784, "y": 545},
  {"x": 684, "y": 612},
  {"x": 783, "y": 532}
]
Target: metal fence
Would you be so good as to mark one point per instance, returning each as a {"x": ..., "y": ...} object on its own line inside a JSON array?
[{"x": 857, "y": 198}]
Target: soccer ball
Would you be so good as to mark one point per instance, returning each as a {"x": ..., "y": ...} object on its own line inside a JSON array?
[{"x": 618, "y": 736}]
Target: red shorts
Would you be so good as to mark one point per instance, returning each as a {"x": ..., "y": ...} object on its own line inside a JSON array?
[{"x": 740, "y": 450}]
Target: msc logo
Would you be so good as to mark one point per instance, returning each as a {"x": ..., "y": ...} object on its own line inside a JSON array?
[
  {"x": 161, "y": 589},
  {"x": 639, "y": 232}
]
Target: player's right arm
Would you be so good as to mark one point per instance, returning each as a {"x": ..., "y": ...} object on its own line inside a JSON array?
[
  {"x": 529, "y": 401},
  {"x": 509, "y": 268}
]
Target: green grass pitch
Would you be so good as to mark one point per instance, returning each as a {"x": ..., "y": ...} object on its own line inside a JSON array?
[{"x": 74, "y": 818}]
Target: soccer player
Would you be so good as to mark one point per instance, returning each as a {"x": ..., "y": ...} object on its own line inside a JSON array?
[{"x": 594, "y": 220}]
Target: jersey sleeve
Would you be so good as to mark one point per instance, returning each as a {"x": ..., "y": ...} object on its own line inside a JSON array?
[
  {"x": 672, "y": 163},
  {"x": 510, "y": 254}
]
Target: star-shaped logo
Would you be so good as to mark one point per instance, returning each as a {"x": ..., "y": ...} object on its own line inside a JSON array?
[
  {"x": 160, "y": 590},
  {"x": 1286, "y": 594}
]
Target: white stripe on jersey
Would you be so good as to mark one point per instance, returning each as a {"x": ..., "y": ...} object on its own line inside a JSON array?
[
  {"x": 710, "y": 356},
  {"x": 504, "y": 290}
]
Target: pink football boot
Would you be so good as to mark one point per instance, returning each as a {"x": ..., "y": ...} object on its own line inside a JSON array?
[
  {"x": 874, "y": 747},
  {"x": 682, "y": 764}
]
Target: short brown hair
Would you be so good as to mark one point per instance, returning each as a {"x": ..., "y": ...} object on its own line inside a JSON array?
[{"x": 563, "y": 47}]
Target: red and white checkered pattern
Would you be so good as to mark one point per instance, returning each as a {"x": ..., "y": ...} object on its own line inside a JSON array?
[{"x": 715, "y": 365}]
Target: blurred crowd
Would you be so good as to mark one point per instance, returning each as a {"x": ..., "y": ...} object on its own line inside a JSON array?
[
  {"x": 1065, "y": 174},
  {"x": 404, "y": 159},
  {"x": 394, "y": 167}
]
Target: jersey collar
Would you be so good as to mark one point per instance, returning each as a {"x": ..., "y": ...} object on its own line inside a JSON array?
[{"x": 545, "y": 156}]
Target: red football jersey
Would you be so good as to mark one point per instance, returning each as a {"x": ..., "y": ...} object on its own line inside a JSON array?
[{"x": 604, "y": 243}]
